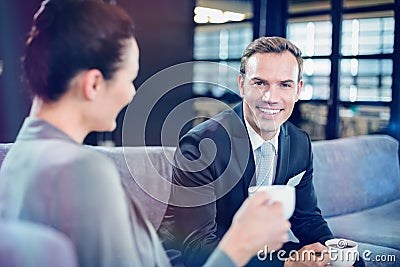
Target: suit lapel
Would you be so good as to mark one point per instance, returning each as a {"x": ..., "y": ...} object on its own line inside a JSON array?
[
  {"x": 244, "y": 161},
  {"x": 243, "y": 153},
  {"x": 283, "y": 156}
]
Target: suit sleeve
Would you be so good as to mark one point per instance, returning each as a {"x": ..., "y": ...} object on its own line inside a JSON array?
[
  {"x": 194, "y": 225},
  {"x": 307, "y": 222}
]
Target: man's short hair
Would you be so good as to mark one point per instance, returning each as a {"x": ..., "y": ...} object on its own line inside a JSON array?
[{"x": 271, "y": 45}]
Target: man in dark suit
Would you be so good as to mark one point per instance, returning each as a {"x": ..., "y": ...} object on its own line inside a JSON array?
[{"x": 217, "y": 161}]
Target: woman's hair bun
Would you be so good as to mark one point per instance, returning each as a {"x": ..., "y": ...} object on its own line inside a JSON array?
[{"x": 49, "y": 10}]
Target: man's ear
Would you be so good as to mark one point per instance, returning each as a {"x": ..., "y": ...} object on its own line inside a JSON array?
[
  {"x": 93, "y": 83},
  {"x": 241, "y": 83},
  {"x": 299, "y": 88}
]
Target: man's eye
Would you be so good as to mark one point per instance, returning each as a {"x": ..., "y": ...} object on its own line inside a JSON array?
[
  {"x": 286, "y": 85},
  {"x": 259, "y": 83}
]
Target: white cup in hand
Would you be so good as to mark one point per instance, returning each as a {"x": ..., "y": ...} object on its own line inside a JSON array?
[
  {"x": 343, "y": 252},
  {"x": 281, "y": 193}
]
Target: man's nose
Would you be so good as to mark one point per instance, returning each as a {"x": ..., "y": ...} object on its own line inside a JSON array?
[{"x": 270, "y": 94}]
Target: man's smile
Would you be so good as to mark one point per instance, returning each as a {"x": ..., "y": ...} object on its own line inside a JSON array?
[{"x": 269, "y": 111}]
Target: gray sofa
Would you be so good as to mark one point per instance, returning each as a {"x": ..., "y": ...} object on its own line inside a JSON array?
[{"x": 357, "y": 181}]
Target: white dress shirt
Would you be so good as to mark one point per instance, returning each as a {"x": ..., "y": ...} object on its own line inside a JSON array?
[{"x": 256, "y": 141}]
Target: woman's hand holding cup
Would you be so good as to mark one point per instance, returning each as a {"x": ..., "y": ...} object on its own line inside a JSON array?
[{"x": 257, "y": 224}]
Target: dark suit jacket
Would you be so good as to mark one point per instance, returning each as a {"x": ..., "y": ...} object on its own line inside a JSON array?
[{"x": 216, "y": 157}]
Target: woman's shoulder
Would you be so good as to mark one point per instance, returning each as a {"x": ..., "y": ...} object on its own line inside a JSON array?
[
  {"x": 90, "y": 161},
  {"x": 71, "y": 161},
  {"x": 85, "y": 171}
]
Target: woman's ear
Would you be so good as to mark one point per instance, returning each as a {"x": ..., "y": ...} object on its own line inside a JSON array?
[{"x": 92, "y": 84}]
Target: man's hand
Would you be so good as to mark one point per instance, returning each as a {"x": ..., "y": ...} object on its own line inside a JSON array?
[
  {"x": 313, "y": 255},
  {"x": 256, "y": 225}
]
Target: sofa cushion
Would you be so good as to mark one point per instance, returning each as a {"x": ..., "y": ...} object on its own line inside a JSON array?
[
  {"x": 378, "y": 256},
  {"x": 379, "y": 226},
  {"x": 356, "y": 173}
]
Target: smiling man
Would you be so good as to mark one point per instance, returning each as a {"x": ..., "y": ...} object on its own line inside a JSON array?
[
  {"x": 218, "y": 160},
  {"x": 269, "y": 85}
]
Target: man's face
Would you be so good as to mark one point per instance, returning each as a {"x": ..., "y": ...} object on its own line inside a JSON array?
[{"x": 269, "y": 90}]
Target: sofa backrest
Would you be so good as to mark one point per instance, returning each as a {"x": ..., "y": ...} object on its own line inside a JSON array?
[
  {"x": 356, "y": 173},
  {"x": 146, "y": 174},
  {"x": 350, "y": 174}
]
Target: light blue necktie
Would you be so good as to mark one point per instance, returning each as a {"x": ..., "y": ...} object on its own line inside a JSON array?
[{"x": 265, "y": 166}]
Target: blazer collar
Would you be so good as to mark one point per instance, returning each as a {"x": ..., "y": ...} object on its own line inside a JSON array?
[
  {"x": 240, "y": 146},
  {"x": 283, "y": 155},
  {"x": 35, "y": 128}
]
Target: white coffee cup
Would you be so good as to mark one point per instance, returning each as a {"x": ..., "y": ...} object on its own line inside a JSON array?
[
  {"x": 285, "y": 194},
  {"x": 343, "y": 252}
]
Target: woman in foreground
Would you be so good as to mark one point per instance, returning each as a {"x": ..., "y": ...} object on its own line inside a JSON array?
[{"x": 80, "y": 61}]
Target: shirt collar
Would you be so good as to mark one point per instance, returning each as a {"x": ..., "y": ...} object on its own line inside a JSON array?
[{"x": 256, "y": 140}]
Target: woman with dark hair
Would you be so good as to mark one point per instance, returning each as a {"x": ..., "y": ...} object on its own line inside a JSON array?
[{"x": 80, "y": 61}]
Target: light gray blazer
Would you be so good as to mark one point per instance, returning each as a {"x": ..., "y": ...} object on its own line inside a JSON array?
[{"x": 49, "y": 178}]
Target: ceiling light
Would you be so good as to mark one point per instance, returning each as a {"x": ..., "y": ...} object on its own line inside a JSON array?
[
  {"x": 217, "y": 19},
  {"x": 212, "y": 15},
  {"x": 234, "y": 16},
  {"x": 205, "y": 11},
  {"x": 200, "y": 19}
]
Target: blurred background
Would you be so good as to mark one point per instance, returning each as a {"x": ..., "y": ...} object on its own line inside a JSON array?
[{"x": 351, "y": 50}]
